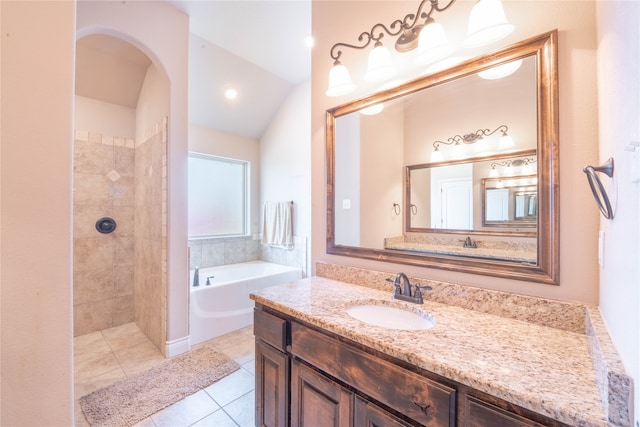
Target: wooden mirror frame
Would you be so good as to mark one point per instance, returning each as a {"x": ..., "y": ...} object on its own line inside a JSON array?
[{"x": 547, "y": 269}]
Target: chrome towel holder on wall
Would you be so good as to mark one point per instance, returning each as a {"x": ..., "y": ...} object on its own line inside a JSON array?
[{"x": 598, "y": 190}]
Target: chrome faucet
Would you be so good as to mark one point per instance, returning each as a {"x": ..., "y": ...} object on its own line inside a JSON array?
[
  {"x": 402, "y": 289},
  {"x": 406, "y": 288},
  {"x": 469, "y": 244}
]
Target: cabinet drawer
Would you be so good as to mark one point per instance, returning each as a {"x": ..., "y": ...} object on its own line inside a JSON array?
[
  {"x": 367, "y": 414},
  {"x": 481, "y": 414},
  {"x": 270, "y": 329},
  {"x": 421, "y": 399}
]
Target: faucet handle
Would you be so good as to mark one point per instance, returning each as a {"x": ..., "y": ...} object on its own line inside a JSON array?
[
  {"x": 418, "y": 293},
  {"x": 397, "y": 290}
]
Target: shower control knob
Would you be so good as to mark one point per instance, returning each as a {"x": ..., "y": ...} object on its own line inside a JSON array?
[{"x": 106, "y": 225}]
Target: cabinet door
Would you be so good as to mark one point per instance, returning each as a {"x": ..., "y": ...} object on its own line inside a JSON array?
[
  {"x": 272, "y": 386},
  {"x": 369, "y": 415},
  {"x": 317, "y": 401}
]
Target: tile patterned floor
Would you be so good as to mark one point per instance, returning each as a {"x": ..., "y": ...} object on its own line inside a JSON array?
[{"x": 102, "y": 358}]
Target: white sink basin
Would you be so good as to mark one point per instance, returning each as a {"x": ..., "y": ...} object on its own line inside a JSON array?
[{"x": 391, "y": 317}]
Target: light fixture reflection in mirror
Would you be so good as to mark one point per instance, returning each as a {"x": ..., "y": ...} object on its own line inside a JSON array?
[
  {"x": 501, "y": 71},
  {"x": 487, "y": 24},
  {"x": 477, "y": 139},
  {"x": 373, "y": 110}
]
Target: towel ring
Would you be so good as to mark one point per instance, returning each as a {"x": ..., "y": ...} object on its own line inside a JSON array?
[
  {"x": 396, "y": 208},
  {"x": 597, "y": 189}
]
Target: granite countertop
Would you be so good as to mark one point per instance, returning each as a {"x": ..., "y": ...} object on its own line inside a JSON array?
[{"x": 545, "y": 369}]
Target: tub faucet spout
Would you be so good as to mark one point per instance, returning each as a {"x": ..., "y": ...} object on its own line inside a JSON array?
[{"x": 196, "y": 277}]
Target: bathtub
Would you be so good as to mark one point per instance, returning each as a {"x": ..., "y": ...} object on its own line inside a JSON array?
[{"x": 224, "y": 305}]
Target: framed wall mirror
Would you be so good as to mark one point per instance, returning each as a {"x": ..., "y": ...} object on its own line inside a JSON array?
[{"x": 458, "y": 171}]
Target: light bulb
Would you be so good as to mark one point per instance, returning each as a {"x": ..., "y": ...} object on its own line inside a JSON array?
[
  {"x": 493, "y": 173},
  {"x": 436, "y": 156},
  {"x": 481, "y": 145},
  {"x": 487, "y": 24},
  {"x": 527, "y": 169},
  {"x": 380, "y": 66},
  {"x": 432, "y": 44},
  {"x": 458, "y": 151},
  {"x": 230, "y": 93},
  {"x": 339, "y": 80},
  {"x": 506, "y": 142}
]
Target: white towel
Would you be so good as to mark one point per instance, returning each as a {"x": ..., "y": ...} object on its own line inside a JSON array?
[{"x": 277, "y": 228}]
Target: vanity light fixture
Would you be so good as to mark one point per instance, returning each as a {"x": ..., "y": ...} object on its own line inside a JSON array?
[
  {"x": 487, "y": 24},
  {"x": 510, "y": 165},
  {"x": 457, "y": 142}
]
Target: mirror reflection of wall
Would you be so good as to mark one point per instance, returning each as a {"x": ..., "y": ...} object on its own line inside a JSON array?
[{"x": 465, "y": 105}]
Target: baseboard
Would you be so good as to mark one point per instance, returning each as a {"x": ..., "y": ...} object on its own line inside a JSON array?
[{"x": 176, "y": 347}]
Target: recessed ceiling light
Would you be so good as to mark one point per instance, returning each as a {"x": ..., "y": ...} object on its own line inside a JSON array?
[
  {"x": 309, "y": 42},
  {"x": 230, "y": 93}
]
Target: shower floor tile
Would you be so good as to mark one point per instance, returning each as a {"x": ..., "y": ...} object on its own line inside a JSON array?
[{"x": 102, "y": 358}]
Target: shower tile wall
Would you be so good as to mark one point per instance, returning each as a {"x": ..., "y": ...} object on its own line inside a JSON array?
[
  {"x": 150, "y": 235},
  {"x": 103, "y": 267}
]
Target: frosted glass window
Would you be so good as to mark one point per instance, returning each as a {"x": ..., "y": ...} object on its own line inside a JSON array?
[{"x": 217, "y": 196}]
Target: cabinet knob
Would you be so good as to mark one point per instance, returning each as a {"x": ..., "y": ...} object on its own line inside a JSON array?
[{"x": 424, "y": 408}]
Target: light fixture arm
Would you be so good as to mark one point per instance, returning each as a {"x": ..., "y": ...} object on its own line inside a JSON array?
[{"x": 404, "y": 26}]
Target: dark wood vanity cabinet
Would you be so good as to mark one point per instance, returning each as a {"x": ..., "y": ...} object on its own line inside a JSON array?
[
  {"x": 317, "y": 400},
  {"x": 272, "y": 370},
  {"x": 306, "y": 377}
]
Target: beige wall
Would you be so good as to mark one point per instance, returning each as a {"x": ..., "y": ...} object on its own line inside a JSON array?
[
  {"x": 381, "y": 177},
  {"x": 103, "y": 117},
  {"x": 575, "y": 21},
  {"x": 38, "y": 42}
]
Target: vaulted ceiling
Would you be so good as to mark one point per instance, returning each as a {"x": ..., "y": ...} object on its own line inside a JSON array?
[{"x": 257, "y": 47}]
